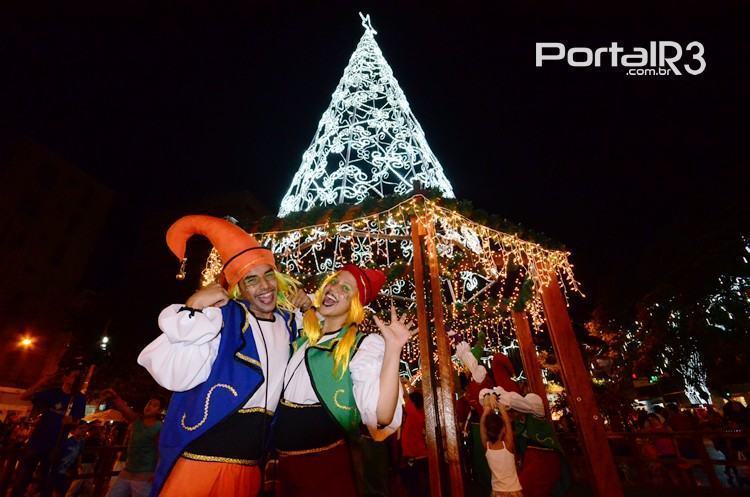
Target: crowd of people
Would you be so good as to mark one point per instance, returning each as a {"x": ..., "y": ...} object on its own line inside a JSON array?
[
  {"x": 710, "y": 434},
  {"x": 47, "y": 452},
  {"x": 498, "y": 428},
  {"x": 279, "y": 392}
]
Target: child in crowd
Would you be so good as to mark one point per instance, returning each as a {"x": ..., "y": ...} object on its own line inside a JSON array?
[{"x": 496, "y": 433}]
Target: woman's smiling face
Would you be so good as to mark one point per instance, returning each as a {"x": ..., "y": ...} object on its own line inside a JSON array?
[{"x": 338, "y": 295}]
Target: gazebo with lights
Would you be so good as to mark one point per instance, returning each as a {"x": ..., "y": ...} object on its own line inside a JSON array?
[{"x": 370, "y": 191}]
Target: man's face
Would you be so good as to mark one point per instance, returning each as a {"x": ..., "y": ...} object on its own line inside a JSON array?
[
  {"x": 153, "y": 408},
  {"x": 338, "y": 295},
  {"x": 259, "y": 287}
]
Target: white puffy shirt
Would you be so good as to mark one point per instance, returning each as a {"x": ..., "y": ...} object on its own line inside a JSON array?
[
  {"x": 182, "y": 356},
  {"x": 365, "y": 373}
]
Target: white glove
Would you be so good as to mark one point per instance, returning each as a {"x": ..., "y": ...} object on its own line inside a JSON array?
[
  {"x": 531, "y": 403},
  {"x": 463, "y": 352}
]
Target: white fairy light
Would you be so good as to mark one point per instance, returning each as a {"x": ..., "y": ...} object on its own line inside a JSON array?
[
  {"x": 384, "y": 239},
  {"x": 368, "y": 139},
  {"x": 695, "y": 379}
]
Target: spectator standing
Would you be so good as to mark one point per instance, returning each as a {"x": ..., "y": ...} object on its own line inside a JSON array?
[
  {"x": 681, "y": 421},
  {"x": 736, "y": 417},
  {"x": 665, "y": 448},
  {"x": 67, "y": 463},
  {"x": 16, "y": 431},
  {"x": 136, "y": 478},
  {"x": 414, "y": 470},
  {"x": 87, "y": 463},
  {"x": 53, "y": 404},
  {"x": 712, "y": 420}
]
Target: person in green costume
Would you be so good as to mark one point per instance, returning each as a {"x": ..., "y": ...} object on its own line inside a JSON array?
[{"x": 341, "y": 393}]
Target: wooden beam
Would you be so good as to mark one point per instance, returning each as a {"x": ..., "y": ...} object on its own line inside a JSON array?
[
  {"x": 605, "y": 481},
  {"x": 425, "y": 364},
  {"x": 531, "y": 368},
  {"x": 446, "y": 403}
]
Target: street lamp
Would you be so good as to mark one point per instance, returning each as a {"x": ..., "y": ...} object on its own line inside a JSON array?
[
  {"x": 104, "y": 342},
  {"x": 26, "y": 342}
]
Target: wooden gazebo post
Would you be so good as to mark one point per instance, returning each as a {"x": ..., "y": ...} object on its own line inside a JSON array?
[
  {"x": 604, "y": 478},
  {"x": 446, "y": 478},
  {"x": 448, "y": 422},
  {"x": 531, "y": 367},
  {"x": 433, "y": 437},
  {"x": 440, "y": 422}
]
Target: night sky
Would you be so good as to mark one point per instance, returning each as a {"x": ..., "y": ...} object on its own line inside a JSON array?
[{"x": 169, "y": 107}]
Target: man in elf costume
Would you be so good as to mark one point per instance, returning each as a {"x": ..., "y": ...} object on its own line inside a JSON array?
[
  {"x": 478, "y": 379},
  {"x": 223, "y": 353}
]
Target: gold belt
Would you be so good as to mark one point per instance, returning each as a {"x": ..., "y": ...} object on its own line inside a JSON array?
[
  {"x": 286, "y": 453},
  {"x": 250, "y": 410},
  {"x": 228, "y": 460},
  {"x": 289, "y": 403}
]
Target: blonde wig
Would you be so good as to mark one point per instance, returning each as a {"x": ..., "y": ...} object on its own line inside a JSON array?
[{"x": 312, "y": 330}]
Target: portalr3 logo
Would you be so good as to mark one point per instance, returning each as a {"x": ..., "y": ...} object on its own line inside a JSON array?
[{"x": 661, "y": 58}]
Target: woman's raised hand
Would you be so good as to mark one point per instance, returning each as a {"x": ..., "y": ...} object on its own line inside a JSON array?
[{"x": 397, "y": 332}]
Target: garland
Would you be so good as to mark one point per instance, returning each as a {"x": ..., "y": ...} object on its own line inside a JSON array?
[{"x": 345, "y": 212}]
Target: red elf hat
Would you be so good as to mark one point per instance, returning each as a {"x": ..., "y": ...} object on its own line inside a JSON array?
[
  {"x": 239, "y": 251},
  {"x": 369, "y": 281}
]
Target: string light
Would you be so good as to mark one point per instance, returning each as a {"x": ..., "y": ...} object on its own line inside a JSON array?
[
  {"x": 695, "y": 379},
  {"x": 483, "y": 271},
  {"x": 210, "y": 273}
]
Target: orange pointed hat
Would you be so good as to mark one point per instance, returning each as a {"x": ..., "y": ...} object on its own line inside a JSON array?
[{"x": 239, "y": 251}]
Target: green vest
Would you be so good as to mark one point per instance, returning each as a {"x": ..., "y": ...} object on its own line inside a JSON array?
[{"x": 335, "y": 393}]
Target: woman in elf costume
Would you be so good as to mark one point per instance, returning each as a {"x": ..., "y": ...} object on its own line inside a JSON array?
[{"x": 340, "y": 385}]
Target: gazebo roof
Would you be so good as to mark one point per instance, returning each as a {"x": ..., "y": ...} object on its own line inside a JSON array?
[{"x": 484, "y": 272}]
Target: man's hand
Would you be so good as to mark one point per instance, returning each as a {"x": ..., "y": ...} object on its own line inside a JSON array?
[
  {"x": 302, "y": 301},
  {"x": 397, "y": 332},
  {"x": 211, "y": 296},
  {"x": 109, "y": 394}
]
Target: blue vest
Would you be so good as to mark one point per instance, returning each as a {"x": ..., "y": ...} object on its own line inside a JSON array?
[{"x": 235, "y": 376}]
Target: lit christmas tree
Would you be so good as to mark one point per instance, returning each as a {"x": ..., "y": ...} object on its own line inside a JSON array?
[{"x": 368, "y": 142}]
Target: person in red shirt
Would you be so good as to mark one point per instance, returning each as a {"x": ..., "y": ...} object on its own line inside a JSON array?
[
  {"x": 503, "y": 373},
  {"x": 414, "y": 470}
]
